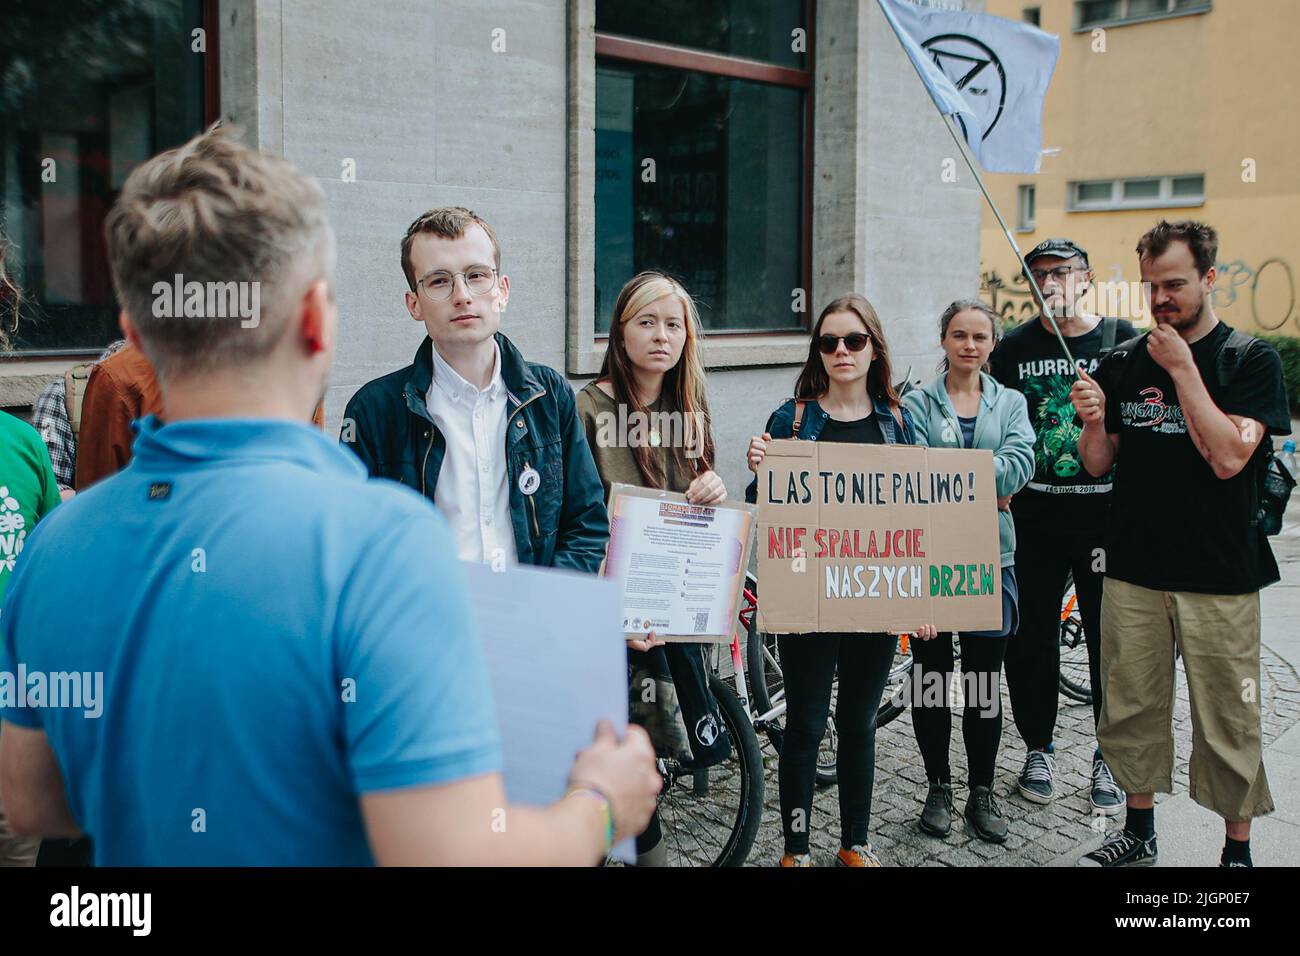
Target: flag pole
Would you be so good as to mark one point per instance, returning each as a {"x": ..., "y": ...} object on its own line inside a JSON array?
[
  {"x": 970, "y": 164},
  {"x": 1015, "y": 247}
]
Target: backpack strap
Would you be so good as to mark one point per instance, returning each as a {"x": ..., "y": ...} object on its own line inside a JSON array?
[
  {"x": 1129, "y": 346},
  {"x": 1124, "y": 350},
  {"x": 798, "y": 416},
  {"x": 1109, "y": 329},
  {"x": 74, "y": 394},
  {"x": 1232, "y": 354}
]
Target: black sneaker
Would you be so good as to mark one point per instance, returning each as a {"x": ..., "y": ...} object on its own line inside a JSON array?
[
  {"x": 1038, "y": 778},
  {"x": 1122, "y": 848},
  {"x": 936, "y": 818},
  {"x": 1107, "y": 796},
  {"x": 985, "y": 816}
]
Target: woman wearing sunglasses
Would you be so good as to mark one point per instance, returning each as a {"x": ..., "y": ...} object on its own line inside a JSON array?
[
  {"x": 966, "y": 408},
  {"x": 845, "y": 393}
]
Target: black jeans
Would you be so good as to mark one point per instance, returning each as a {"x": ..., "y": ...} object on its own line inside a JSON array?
[
  {"x": 981, "y": 725},
  {"x": 809, "y": 663},
  {"x": 1044, "y": 557}
]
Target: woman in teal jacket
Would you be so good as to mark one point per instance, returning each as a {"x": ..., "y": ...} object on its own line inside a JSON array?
[{"x": 966, "y": 408}]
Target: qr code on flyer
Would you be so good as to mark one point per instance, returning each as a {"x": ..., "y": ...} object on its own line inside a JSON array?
[{"x": 701, "y": 621}]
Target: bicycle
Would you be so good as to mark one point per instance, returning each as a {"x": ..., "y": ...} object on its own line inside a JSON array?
[
  {"x": 710, "y": 816},
  {"x": 763, "y": 666},
  {"x": 1073, "y": 676}
]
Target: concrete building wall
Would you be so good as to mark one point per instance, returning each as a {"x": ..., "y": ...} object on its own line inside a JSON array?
[{"x": 413, "y": 93}]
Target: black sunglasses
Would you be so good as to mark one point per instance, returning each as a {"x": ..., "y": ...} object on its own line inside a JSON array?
[{"x": 854, "y": 342}]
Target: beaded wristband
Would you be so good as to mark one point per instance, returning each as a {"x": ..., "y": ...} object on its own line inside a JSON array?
[{"x": 606, "y": 809}]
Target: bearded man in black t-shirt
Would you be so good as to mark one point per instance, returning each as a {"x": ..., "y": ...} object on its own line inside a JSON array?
[
  {"x": 1060, "y": 515},
  {"x": 1181, "y": 422}
]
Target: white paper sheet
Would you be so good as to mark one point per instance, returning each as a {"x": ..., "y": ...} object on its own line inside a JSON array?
[
  {"x": 681, "y": 565},
  {"x": 558, "y": 663}
]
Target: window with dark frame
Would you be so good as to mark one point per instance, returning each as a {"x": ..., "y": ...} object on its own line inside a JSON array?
[
  {"x": 1139, "y": 192},
  {"x": 1033, "y": 15},
  {"x": 1026, "y": 213},
  {"x": 88, "y": 91},
  {"x": 703, "y": 117},
  {"x": 1095, "y": 13}
]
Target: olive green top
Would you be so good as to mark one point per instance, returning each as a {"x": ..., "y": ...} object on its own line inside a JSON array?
[{"x": 615, "y": 459}]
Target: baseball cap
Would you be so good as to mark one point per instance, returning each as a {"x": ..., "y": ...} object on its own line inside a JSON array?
[{"x": 1061, "y": 248}]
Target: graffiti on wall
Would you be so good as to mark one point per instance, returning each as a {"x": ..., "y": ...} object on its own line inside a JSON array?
[
  {"x": 1012, "y": 301},
  {"x": 1268, "y": 291},
  {"x": 1238, "y": 282}
]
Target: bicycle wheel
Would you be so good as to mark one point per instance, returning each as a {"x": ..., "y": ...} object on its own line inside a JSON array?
[
  {"x": 1074, "y": 676},
  {"x": 710, "y": 817},
  {"x": 894, "y": 701},
  {"x": 767, "y": 689}
]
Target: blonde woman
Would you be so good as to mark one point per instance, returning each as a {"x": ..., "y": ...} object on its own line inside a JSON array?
[{"x": 647, "y": 422}]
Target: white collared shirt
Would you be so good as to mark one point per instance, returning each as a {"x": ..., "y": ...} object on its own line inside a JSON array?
[{"x": 473, "y": 486}]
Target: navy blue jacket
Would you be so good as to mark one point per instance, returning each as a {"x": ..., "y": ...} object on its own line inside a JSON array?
[
  {"x": 563, "y": 524},
  {"x": 781, "y": 425}
]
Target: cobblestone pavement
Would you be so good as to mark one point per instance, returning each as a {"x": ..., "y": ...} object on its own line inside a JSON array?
[{"x": 1037, "y": 833}]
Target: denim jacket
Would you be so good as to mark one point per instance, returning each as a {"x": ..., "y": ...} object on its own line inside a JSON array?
[
  {"x": 564, "y": 523},
  {"x": 781, "y": 425}
]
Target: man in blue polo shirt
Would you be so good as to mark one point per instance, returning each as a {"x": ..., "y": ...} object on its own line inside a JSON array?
[{"x": 290, "y": 674}]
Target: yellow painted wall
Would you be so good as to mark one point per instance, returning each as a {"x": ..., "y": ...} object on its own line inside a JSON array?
[{"x": 1192, "y": 94}]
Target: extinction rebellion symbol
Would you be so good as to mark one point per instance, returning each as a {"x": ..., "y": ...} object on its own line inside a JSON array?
[{"x": 977, "y": 73}]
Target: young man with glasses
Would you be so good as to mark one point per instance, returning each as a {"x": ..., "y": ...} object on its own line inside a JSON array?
[
  {"x": 492, "y": 439},
  {"x": 1059, "y": 516}
]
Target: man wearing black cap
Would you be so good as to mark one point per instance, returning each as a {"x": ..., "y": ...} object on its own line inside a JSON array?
[{"x": 1059, "y": 516}]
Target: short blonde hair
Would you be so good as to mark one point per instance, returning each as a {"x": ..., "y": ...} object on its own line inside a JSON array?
[
  {"x": 448, "y": 222},
  {"x": 216, "y": 211}
]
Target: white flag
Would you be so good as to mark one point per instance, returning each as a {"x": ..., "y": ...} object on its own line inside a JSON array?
[{"x": 989, "y": 72}]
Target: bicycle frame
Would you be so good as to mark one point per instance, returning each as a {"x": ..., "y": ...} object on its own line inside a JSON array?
[{"x": 748, "y": 608}]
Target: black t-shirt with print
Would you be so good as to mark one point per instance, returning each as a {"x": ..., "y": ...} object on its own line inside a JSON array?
[
  {"x": 1061, "y": 492},
  {"x": 1174, "y": 526}
]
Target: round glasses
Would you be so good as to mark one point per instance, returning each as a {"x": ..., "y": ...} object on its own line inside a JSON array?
[
  {"x": 478, "y": 279},
  {"x": 1059, "y": 273},
  {"x": 854, "y": 342}
]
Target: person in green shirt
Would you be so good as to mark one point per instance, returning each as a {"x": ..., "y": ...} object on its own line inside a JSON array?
[{"x": 28, "y": 490}]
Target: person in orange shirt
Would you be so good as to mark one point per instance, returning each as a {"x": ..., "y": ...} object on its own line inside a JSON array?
[{"x": 121, "y": 389}]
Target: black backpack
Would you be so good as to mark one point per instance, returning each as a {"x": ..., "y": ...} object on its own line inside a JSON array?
[{"x": 1272, "y": 485}]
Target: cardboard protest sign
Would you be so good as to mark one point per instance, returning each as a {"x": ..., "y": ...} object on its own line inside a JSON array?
[{"x": 877, "y": 538}]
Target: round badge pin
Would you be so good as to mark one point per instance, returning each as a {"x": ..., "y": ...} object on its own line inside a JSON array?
[{"x": 529, "y": 479}]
